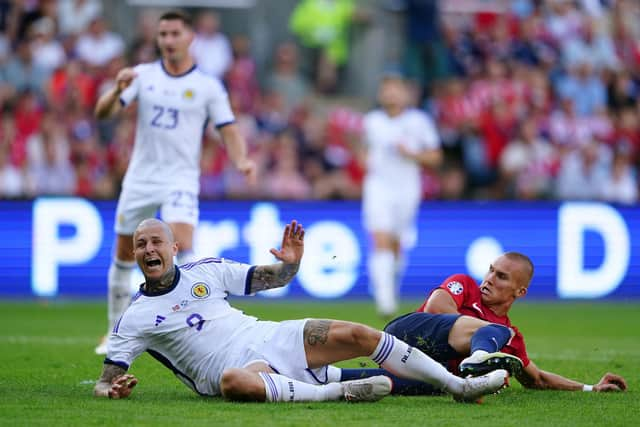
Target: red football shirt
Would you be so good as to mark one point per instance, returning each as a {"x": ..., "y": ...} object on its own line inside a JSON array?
[{"x": 466, "y": 293}]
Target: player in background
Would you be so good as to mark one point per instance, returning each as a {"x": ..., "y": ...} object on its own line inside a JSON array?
[
  {"x": 175, "y": 101},
  {"x": 460, "y": 318},
  {"x": 182, "y": 318},
  {"x": 398, "y": 141}
]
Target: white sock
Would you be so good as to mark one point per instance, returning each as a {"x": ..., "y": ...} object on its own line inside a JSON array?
[
  {"x": 119, "y": 289},
  {"x": 381, "y": 274},
  {"x": 334, "y": 374},
  {"x": 185, "y": 257},
  {"x": 404, "y": 361},
  {"x": 279, "y": 388}
]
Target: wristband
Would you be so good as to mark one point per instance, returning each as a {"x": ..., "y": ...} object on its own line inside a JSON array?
[{"x": 587, "y": 387}]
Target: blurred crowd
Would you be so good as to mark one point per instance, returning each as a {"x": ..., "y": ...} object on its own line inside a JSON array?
[{"x": 534, "y": 100}]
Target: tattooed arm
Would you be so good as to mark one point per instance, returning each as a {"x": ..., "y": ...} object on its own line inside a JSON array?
[
  {"x": 114, "y": 383},
  {"x": 290, "y": 253},
  {"x": 272, "y": 276}
]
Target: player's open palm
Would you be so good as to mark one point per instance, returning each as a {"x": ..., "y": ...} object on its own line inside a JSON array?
[
  {"x": 122, "y": 386},
  {"x": 292, "y": 246},
  {"x": 124, "y": 78},
  {"x": 611, "y": 382}
]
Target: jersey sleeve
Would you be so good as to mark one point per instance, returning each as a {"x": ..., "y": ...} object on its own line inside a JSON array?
[
  {"x": 125, "y": 344},
  {"x": 233, "y": 277},
  {"x": 459, "y": 287},
  {"x": 131, "y": 93},
  {"x": 219, "y": 108},
  {"x": 429, "y": 139}
]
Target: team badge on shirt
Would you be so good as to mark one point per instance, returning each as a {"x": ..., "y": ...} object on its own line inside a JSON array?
[
  {"x": 188, "y": 94},
  {"x": 455, "y": 287},
  {"x": 200, "y": 290}
]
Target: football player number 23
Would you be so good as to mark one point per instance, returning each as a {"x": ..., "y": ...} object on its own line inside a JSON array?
[
  {"x": 195, "y": 321},
  {"x": 164, "y": 117}
]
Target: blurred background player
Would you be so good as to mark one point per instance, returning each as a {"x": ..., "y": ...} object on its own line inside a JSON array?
[
  {"x": 175, "y": 102},
  {"x": 398, "y": 140}
]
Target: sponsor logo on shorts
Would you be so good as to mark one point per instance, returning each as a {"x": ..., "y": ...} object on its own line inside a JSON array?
[
  {"x": 456, "y": 288},
  {"x": 200, "y": 290}
]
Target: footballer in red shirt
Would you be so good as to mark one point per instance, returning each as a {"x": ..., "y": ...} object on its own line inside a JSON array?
[{"x": 463, "y": 319}]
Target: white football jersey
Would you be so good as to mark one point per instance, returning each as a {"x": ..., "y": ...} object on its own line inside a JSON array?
[
  {"x": 191, "y": 328},
  {"x": 383, "y": 134},
  {"x": 173, "y": 112}
]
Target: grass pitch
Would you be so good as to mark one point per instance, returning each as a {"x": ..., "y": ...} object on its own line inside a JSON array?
[{"x": 49, "y": 369}]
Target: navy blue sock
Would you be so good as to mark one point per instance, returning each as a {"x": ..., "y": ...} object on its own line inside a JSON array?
[
  {"x": 401, "y": 386},
  {"x": 490, "y": 338}
]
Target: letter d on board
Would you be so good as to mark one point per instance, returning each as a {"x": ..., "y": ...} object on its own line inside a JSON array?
[
  {"x": 574, "y": 281},
  {"x": 50, "y": 250}
]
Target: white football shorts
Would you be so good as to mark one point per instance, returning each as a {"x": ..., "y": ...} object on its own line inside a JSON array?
[
  {"x": 136, "y": 204},
  {"x": 390, "y": 210},
  {"x": 282, "y": 348}
]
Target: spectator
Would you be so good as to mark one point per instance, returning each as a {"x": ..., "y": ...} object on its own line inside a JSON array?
[
  {"x": 12, "y": 183},
  {"x": 210, "y": 47},
  {"x": 285, "y": 181},
  {"x": 585, "y": 88},
  {"x": 593, "y": 47},
  {"x": 620, "y": 185},
  {"x": 566, "y": 129},
  {"x": 527, "y": 164},
  {"x": 143, "y": 48},
  {"x": 622, "y": 91},
  {"x": 426, "y": 59},
  {"x": 563, "y": 21},
  {"x": 530, "y": 47},
  {"x": 323, "y": 26},
  {"x": 22, "y": 73},
  {"x": 582, "y": 171},
  {"x": 97, "y": 46},
  {"x": 53, "y": 176},
  {"x": 74, "y": 16},
  {"x": 285, "y": 77},
  {"x": 241, "y": 78},
  {"x": 50, "y": 132},
  {"x": 48, "y": 53}
]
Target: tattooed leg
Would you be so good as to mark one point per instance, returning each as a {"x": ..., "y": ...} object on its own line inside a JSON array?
[{"x": 329, "y": 341}]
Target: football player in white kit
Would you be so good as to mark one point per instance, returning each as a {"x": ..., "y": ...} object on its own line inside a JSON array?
[
  {"x": 398, "y": 141},
  {"x": 182, "y": 318},
  {"x": 175, "y": 101}
]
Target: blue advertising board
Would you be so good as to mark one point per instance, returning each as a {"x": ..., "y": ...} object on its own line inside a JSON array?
[{"x": 54, "y": 247}]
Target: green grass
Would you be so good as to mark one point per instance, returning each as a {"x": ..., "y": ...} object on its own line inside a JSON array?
[{"x": 46, "y": 353}]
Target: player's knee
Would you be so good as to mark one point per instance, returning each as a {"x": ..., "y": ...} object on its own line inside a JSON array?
[
  {"x": 467, "y": 325},
  {"x": 233, "y": 384},
  {"x": 362, "y": 336}
]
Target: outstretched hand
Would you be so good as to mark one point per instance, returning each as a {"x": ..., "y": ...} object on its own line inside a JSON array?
[
  {"x": 122, "y": 386},
  {"x": 611, "y": 382},
  {"x": 292, "y": 246}
]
